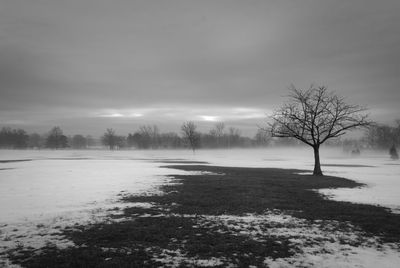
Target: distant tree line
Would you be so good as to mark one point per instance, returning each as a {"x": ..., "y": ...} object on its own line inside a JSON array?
[
  {"x": 377, "y": 136},
  {"x": 383, "y": 136},
  {"x": 145, "y": 137},
  {"x": 13, "y": 138},
  {"x": 150, "y": 137},
  {"x": 54, "y": 139}
]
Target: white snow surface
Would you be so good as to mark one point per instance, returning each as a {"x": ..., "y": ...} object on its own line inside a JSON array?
[
  {"x": 57, "y": 188},
  {"x": 56, "y": 182},
  {"x": 64, "y": 180}
]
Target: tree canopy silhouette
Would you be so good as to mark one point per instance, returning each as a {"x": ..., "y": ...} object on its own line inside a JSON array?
[
  {"x": 56, "y": 139},
  {"x": 190, "y": 134},
  {"x": 314, "y": 116},
  {"x": 109, "y": 138}
]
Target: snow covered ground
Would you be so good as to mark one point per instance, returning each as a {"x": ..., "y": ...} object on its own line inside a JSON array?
[
  {"x": 56, "y": 182},
  {"x": 61, "y": 181},
  {"x": 53, "y": 189}
]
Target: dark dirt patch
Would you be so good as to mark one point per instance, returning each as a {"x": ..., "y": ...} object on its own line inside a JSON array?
[
  {"x": 135, "y": 243},
  {"x": 253, "y": 190}
]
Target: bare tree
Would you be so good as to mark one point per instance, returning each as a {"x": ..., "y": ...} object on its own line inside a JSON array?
[
  {"x": 109, "y": 138},
  {"x": 219, "y": 129},
  {"x": 90, "y": 141},
  {"x": 190, "y": 134},
  {"x": 314, "y": 116},
  {"x": 233, "y": 137},
  {"x": 383, "y": 136},
  {"x": 78, "y": 142},
  {"x": 146, "y": 137},
  {"x": 262, "y": 137},
  {"x": 35, "y": 141},
  {"x": 13, "y": 138},
  {"x": 217, "y": 134},
  {"x": 56, "y": 139}
]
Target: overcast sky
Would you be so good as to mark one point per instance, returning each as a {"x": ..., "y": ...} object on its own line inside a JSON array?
[{"x": 87, "y": 65}]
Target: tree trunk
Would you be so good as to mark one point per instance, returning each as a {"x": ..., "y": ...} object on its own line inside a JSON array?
[{"x": 317, "y": 164}]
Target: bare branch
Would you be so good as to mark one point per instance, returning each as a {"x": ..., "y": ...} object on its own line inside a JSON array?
[{"x": 316, "y": 115}]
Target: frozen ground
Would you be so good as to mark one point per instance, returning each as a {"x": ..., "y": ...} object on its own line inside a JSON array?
[{"x": 53, "y": 189}]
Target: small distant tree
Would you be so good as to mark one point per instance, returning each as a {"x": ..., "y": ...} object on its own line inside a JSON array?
[
  {"x": 6, "y": 137},
  {"x": 314, "y": 116},
  {"x": 383, "y": 136},
  {"x": 120, "y": 142},
  {"x": 233, "y": 137},
  {"x": 90, "y": 141},
  {"x": 109, "y": 138},
  {"x": 170, "y": 140},
  {"x": 35, "y": 141},
  {"x": 149, "y": 136},
  {"x": 131, "y": 140},
  {"x": 137, "y": 140},
  {"x": 78, "y": 142},
  {"x": 380, "y": 136},
  {"x": 190, "y": 135},
  {"x": 393, "y": 152},
  {"x": 217, "y": 135},
  {"x": 56, "y": 139},
  {"x": 20, "y": 138},
  {"x": 262, "y": 137}
]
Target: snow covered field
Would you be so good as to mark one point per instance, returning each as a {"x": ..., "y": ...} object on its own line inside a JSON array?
[
  {"x": 56, "y": 182},
  {"x": 52, "y": 189}
]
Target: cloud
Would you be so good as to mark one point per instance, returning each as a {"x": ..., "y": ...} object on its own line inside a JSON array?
[
  {"x": 178, "y": 60},
  {"x": 179, "y": 113}
]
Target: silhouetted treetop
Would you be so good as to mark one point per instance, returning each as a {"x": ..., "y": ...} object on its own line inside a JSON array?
[{"x": 315, "y": 115}]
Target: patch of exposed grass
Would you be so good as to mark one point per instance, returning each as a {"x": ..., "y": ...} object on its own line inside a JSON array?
[
  {"x": 51, "y": 256},
  {"x": 138, "y": 243},
  {"x": 253, "y": 190}
]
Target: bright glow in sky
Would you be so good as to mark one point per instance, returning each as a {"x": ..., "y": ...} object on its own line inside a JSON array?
[
  {"x": 209, "y": 118},
  {"x": 187, "y": 113}
]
